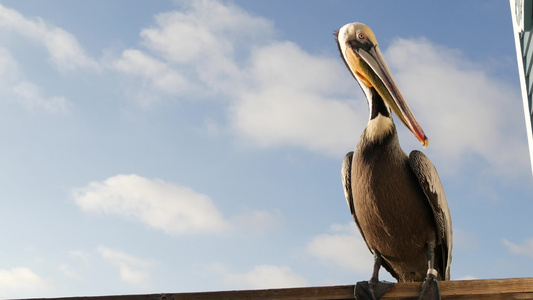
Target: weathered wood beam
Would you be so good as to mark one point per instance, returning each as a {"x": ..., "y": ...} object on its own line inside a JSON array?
[{"x": 489, "y": 289}]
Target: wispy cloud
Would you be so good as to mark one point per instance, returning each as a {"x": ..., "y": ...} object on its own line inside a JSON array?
[
  {"x": 23, "y": 279},
  {"x": 165, "y": 206},
  {"x": 133, "y": 270},
  {"x": 465, "y": 240},
  {"x": 9, "y": 69},
  {"x": 31, "y": 97},
  {"x": 205, "y": 31},
  {"x": 78, "y": 260},
  {"x": 174, "y": 209},
  {"x": 463, "y": 109},
  {"x": 342, "y": 248},
  {"x": 467, "y": 277},
  {"x": 63, "y": 48},
  {"x": 278, "y": 94},
  {"x": 260, "y": 277},
  {"x": 14, "y": 86},
  {"x": 525, "y": 249},
  {"x": 67, "y": 270},
  {"x": 199, "y": 43},
  {"x": 292, "y": 99},
  {"x": 80, "y": 255},
  {"x": 258, "y": 220},
  {"x": 155, "y": 75}
]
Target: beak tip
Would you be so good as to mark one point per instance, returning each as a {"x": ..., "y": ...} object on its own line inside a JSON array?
[{"x": 425, "y": 142}]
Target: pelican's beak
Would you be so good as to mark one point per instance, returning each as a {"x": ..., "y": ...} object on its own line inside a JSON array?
[{"x": 361, "y": 53}]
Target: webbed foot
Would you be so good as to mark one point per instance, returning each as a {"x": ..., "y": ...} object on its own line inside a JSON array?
[
  {"x": 372, "y": 290},
  {"x": 430, "y": 289}
]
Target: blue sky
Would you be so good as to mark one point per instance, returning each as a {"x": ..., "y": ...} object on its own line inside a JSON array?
[{"x": 177, "y": 146}]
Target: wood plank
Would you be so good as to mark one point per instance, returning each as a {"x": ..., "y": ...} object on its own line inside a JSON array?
[
  {"x": 513, "y": 288},
  {"x": 489, "y": 289}
]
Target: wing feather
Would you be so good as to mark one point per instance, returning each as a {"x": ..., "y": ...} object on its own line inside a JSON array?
[
  {"x": 346, "y": 174},
  {"x": 431, "y": 185}
]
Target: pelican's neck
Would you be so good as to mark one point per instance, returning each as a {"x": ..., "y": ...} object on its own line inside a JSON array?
[
  {"x": 378, "y": 128},
  {"x": 380, "y": 122}
]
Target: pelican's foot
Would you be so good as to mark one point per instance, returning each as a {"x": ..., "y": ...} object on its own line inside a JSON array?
[
  {"x": 372, "y": 290},
  {"x": 430, "y": 289}
]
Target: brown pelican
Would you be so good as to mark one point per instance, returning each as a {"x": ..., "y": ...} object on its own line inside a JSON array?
[{"x": 397, "y": 201}]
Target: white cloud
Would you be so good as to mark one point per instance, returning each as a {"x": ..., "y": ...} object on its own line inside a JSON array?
[
  {"x": 260, "y": 277},
  {"x": 465, "y": 240},
  {"x": 199, "y": 42},
  {"x": 282, "y": 95},
  {"x": 64, "y": 50},
  {"x": 291, "y": 100},
  {"x": 133, "y": 270},
  {"x": 203, "y": 30},
  {"x": 155, "y": 74},
  {"x": 525, "y": 249},
  {"x": 9, "y": 69},
  {"x": 278, "y": 94},
  {"x": 66, "y": 269},
  {"x": 166, "y": 206},
  {"x": 467, "y": 277},
  {"x": 72, "y": 268},
  {"x": 10, "y": 74},
  {"x": 22, "y": 279},
  {"x": 259, "y": 220},
  {"x": 30, "y": 96},
  {"x": 343, "y": 248},
  {"x": 77, "y": 254},
  {"x": 463, "y": 110}
]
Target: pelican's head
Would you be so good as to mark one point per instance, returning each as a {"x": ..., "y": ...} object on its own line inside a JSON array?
[{"x": 359, "y": 50}]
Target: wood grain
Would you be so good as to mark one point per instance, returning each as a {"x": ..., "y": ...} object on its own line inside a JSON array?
[{"x": 489, "y": 289}]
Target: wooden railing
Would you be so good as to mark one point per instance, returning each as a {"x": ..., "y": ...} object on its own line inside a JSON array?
[{"x": 489, "y": 289}]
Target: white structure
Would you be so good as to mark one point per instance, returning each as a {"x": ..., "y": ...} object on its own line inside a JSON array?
[{"x": 522, "y": 14}]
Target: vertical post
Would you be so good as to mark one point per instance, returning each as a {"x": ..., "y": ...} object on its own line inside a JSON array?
[{"x": 522, "y": 18}]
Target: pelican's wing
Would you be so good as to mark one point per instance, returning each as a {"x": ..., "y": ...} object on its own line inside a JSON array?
[
  {"x": 430, "y": 182},
  {"x": 346, "y": 174}
]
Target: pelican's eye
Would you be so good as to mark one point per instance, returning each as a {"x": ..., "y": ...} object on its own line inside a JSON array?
[{"x": 361, "y": 35}]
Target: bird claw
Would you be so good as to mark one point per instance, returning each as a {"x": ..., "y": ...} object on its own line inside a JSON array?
[
  {"x": 372, "y": 290},
  {"x": 430, "y": 289}
]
